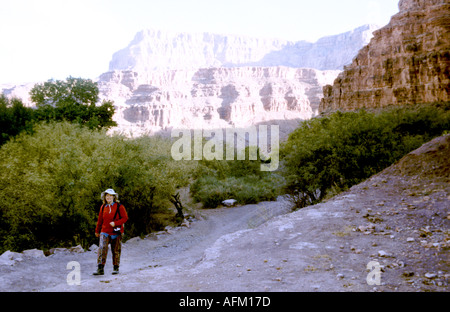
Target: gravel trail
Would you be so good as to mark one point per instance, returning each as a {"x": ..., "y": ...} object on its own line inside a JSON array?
[{"x": 178, "y": 249}]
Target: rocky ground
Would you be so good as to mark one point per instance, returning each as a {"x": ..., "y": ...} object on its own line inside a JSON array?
[{"x": 389, "y": 233}]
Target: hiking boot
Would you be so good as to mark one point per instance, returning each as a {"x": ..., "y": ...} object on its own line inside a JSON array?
[
  {"x": 100, "y": 270},
  {"x": 116, "y": 270}
]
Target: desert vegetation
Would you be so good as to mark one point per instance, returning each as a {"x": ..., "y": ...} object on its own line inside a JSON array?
[
  {"x": 57, "y": 158},
  {"x": 329, "y": 154},
  {"x": 50, "y": 184},
  {"x": 242, "y": 180},
  {"x": 73, "y": 100}
]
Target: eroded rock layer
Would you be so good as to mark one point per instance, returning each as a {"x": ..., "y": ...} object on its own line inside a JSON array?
[
  {"x": 212, "y": 97},
  {"x": 406, "y": 62}
]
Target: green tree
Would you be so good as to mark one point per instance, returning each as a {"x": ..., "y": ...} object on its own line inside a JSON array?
[
  {"x": 14, "y": 118},
  {"x": 74, "y": 100},
  {"x": 242, "y": 180},
  {"x": 50, "y": 184},
  {"x": 331, "y": 153}
]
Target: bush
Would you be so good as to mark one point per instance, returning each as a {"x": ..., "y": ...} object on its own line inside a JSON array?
[
  {"x": 14, "y": 118},
  {"x": 331, "y": 153},
  {"x": 50, "y": 184},
  {"x": 242, "y": 180},
  {"x": 75, "y": 100}
]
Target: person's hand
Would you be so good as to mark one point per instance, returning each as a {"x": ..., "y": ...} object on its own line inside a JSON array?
[
  {"x": 97, "y": 235},
  {"x": 112, "y": 224}
]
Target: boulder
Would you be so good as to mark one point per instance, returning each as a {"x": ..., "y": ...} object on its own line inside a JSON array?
[
  {"x": 33, "y": 253},
  {"x": 229, "y": 202},
  {"x": 57, "y": 250},
  {"x": 93, "y": 247},
  {"x": 76, "y": 249},
  {"x": 10, "y": 258}
]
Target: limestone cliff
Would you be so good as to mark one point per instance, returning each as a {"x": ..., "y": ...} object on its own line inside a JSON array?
[
  {"x": 163, "y": 80},
  {"x": 212, "y": 97},
  {"x": 161, "y": 50},
  {"x": 406, "y": 62}
]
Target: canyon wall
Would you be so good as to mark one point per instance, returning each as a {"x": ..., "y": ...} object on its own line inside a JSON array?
[
  {"x": 212, "y": 97},
  {"x": 161, "y": 50},
  {"x": 406, "y": 62},
  {"x": 164, "y": 80}
]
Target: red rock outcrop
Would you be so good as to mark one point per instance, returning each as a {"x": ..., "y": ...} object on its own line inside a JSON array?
[{"x": 406, "y": 62}]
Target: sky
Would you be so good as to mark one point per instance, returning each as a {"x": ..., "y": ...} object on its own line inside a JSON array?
[{"x": 55, "y": 39}]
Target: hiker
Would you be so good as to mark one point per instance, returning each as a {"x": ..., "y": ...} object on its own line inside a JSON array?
[{"x": 109, "y": 229}]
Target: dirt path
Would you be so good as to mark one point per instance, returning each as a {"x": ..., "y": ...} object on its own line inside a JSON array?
[
  {"x": 399, "y": 225},
  {"x": 182, "y": 248},
  {"x": 389, "y": 233}
]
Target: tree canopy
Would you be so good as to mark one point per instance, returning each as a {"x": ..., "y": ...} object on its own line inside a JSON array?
[
  {"x": 74, "y": 100},
  {"x": 14, "y": 118},
  {"x": 331, "y": 153}
]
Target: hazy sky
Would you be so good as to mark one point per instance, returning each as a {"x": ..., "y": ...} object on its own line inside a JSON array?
[{"x": 43, "y": 39}]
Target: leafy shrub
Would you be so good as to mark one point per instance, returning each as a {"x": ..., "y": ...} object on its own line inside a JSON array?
[
  {"x": 14, "y": 118},
  {"x": 334, "y": 152},
  {"x": 74, "y": 100},
  {"x": 242, "y": 180},
  {"x": 50, "y": 184}
]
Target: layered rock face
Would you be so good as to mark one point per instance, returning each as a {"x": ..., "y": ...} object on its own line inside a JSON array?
[
  {"x": 157, "y": 50},
  {"x": 331, "y": 52},
  {"x": 406, "y": 62},
  {"x": 164, "y": 80},
  {"x": 212, "y": 97}
]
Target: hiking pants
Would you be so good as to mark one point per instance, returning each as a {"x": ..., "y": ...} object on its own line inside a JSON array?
[{"x": 116, "y": 248}]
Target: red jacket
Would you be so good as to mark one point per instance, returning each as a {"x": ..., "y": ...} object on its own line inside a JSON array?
[{"x": 105, "y": 218}]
